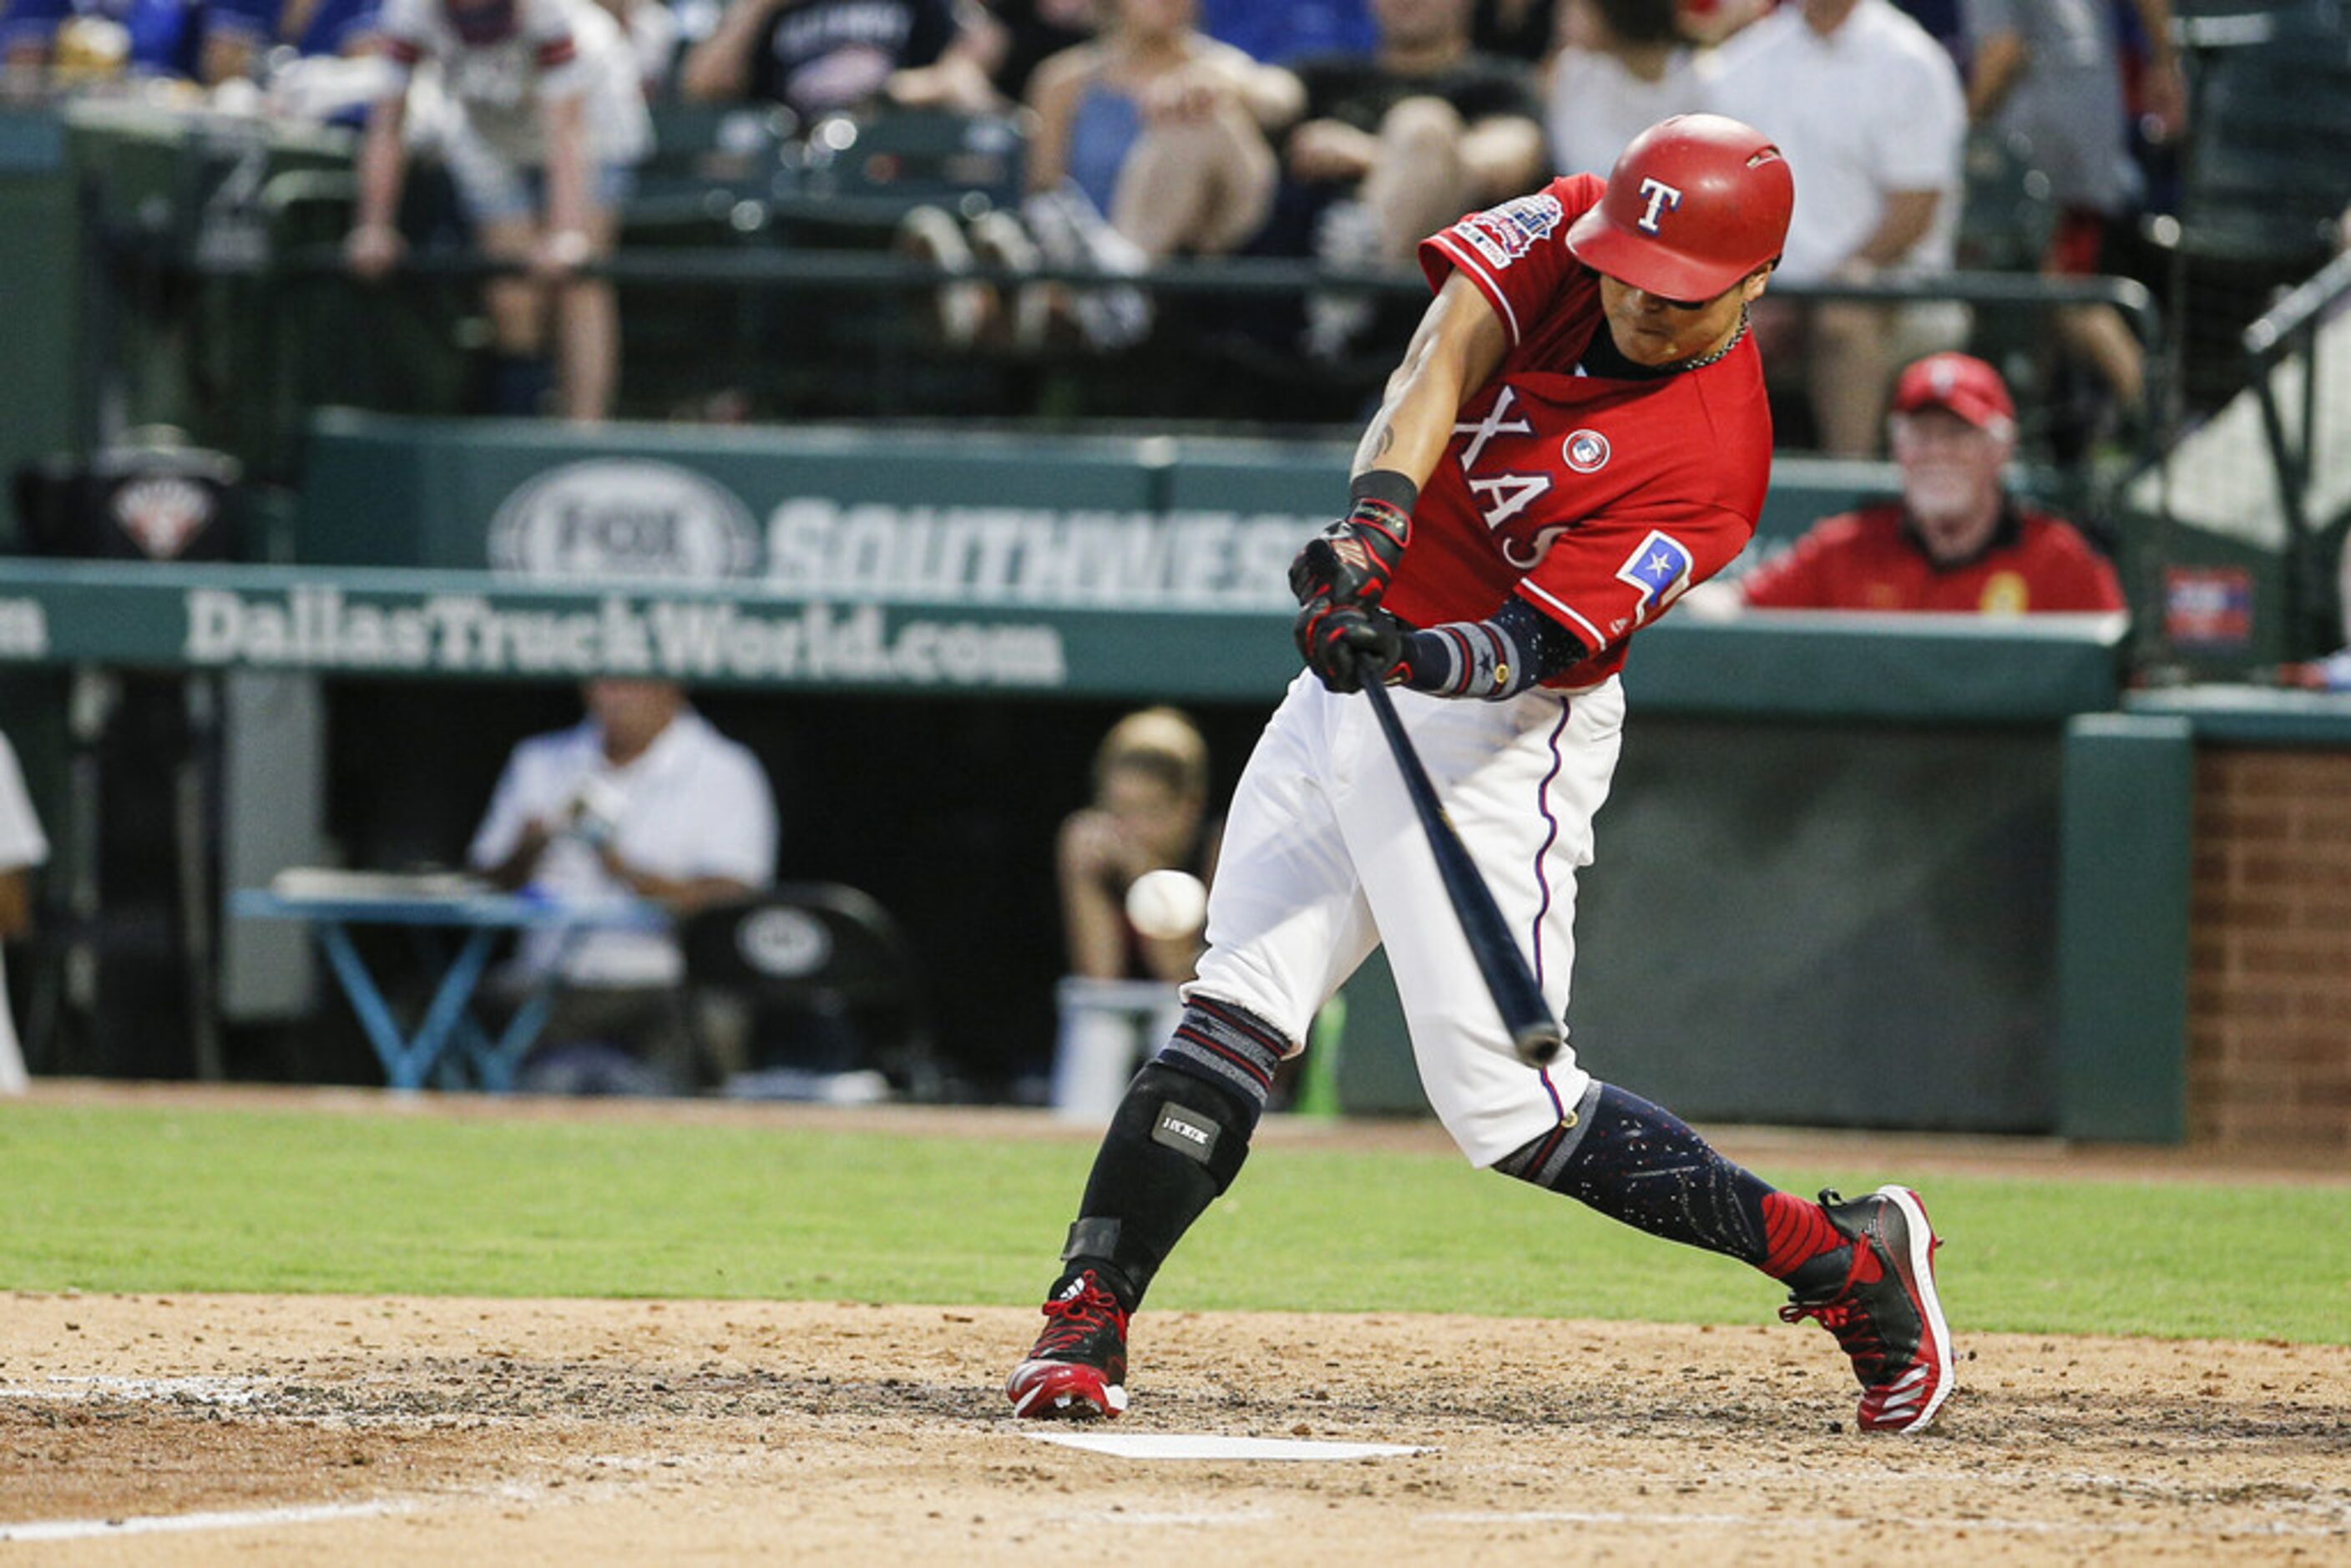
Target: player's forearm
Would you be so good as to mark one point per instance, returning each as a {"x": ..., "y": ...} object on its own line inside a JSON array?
[
  {"x": 1516, "y": 647},
  {"x": 1457, "y": 346}
]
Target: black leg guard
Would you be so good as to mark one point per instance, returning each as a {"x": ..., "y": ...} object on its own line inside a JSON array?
[
  {"x": 1641, "y": 1164},
  {"x": 1177, "y": 1142}
]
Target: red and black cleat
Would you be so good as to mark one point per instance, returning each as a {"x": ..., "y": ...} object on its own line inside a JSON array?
[
  {"x": 1884, "y": 1313},
  {"x": 1077, "y": 1370}
]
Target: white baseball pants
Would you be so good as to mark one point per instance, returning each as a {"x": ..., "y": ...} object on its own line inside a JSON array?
[{"x": 1324, "y": 859}]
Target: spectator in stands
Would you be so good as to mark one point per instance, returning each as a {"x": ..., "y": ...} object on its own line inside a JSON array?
[
  {"x": 80, "y": 40},
  {"x": 1286, "y": 31},
  {"x": 240, "y": 35},
  {"x": 643, "y": 799},
  {"x": 24, "y": 849},
  {"x": 545, "y": 122},
  {"x": 1871, "y": 115},
  {"x": 1956, "y": 540},
  {"x": 1400, "y": 142},
  {"x": 1149, "y": 142},
  {"x": 1162, "y": 129},
  {"x": 1522, "y": 30},
  {"x": 23, "y": 846},
  {"x": 2051, "y": 75},
  {"x": 1149, "y": 813},
  {"x": 820, "y": 57},
  {"x": 1622, "y": 66},
  {"x": 650, "y": 28},
  {"x": 1034, "y": 31}
]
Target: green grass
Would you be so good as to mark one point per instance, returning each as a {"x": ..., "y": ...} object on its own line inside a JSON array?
[{"x": 151, "y": 1201}]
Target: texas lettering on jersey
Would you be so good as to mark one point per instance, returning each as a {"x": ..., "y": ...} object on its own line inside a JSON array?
[{"x": 1599, "y": 501}]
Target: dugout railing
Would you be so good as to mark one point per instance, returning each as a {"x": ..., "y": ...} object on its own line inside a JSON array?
[{"x": 2286, "y": 374}]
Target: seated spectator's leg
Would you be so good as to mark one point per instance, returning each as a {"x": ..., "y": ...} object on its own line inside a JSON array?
[
  {"x": 2099, "y": 334},
  {"x": 588, "y": 323},
  {"x": 615, "y": 1039},
  {"x": 2096, "y": 333},
  {"x": 1779, "y": 326},
  {"x": 1506, "y": 158},
  {"x": 1202, "y": 187},
  {"x": 1783, "y": 331},
  {"x": 1422, "y": 180},
  {"x": 1850, "y": 367}
]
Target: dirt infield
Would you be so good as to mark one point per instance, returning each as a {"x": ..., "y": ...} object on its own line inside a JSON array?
[
  {"x": 566, "y": 1431},
  {"x": 348, "y": 1430}
]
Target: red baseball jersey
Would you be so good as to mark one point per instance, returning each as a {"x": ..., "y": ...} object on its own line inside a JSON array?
[
  {"x": 1599, "y": 501},
  {"x": 1869, "y": 561}
]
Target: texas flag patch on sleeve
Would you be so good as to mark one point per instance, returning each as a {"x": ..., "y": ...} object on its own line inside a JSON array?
[{"x": 1659, "y": 570}]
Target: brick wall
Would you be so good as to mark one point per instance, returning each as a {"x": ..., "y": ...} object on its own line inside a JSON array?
[{"x": 2269, "y": 983}]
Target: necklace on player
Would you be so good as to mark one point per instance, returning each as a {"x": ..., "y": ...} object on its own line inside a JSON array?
[{"x": 1705, "y": 360}]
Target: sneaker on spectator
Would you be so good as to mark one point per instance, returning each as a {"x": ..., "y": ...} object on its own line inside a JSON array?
[
  {"x": 999, "y": 240},
  {"x": 1346, "y": 239},
  {"x": 1074, "y": 237},
  {"x": 961, "y": 311}
]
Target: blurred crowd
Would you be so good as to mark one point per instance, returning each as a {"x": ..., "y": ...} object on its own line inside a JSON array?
[{"x": 1341, "y": 130}]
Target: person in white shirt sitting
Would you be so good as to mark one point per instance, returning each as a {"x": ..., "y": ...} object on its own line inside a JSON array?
[
  {"x": 1869, "y": 111},
  {"x": 644, "y": 798},
  {"x": 1622, "y": 66}
]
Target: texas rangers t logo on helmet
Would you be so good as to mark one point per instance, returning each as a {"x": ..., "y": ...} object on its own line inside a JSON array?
[{"x": 1662, "y": 198}]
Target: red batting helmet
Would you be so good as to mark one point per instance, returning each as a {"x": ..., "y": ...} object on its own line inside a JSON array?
[{"x": 1694, "y": 205}]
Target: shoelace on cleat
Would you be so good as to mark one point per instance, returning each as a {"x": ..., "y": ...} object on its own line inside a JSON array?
[
  {"x": 1079, "y": 1319},
  {"x": 1855, "y": 1330},
  {"x": 1854, "y": 1326}
]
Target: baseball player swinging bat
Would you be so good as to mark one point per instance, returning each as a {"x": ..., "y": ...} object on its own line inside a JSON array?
[{"x": 1534, "y": 1033}]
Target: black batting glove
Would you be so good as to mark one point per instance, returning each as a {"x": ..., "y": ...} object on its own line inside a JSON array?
[
  {"x": 1353, "y": 560},
  {"x": 1346, "y": 645}
]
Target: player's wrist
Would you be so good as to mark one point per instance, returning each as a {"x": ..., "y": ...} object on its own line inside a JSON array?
[
  {"x": 1384, "y": 485},
  {"x": 1428, "y": 664}
]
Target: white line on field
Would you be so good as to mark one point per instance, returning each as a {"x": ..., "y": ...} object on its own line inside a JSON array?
[
  {"x": 1185, "y": 1518},
  {"x": 203, "y": 1390},
  {"x": 1804, "y": 1522},
  {"x": 161, "y": 1524}
]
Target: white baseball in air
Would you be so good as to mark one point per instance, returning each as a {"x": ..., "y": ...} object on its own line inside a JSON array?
[{"x": 1167, "y": 905}]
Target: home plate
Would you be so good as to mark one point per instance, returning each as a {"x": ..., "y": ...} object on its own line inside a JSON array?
[{"x": 1214, "y": 1445}]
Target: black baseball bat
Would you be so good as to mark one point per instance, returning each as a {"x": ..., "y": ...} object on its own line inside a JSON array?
[{"x": 1534, "y": 1034}]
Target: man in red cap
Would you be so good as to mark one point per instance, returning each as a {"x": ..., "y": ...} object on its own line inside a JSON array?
[
  {"x": 1956, "y": 540},
  {"x": 1576, "y": 436}
]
